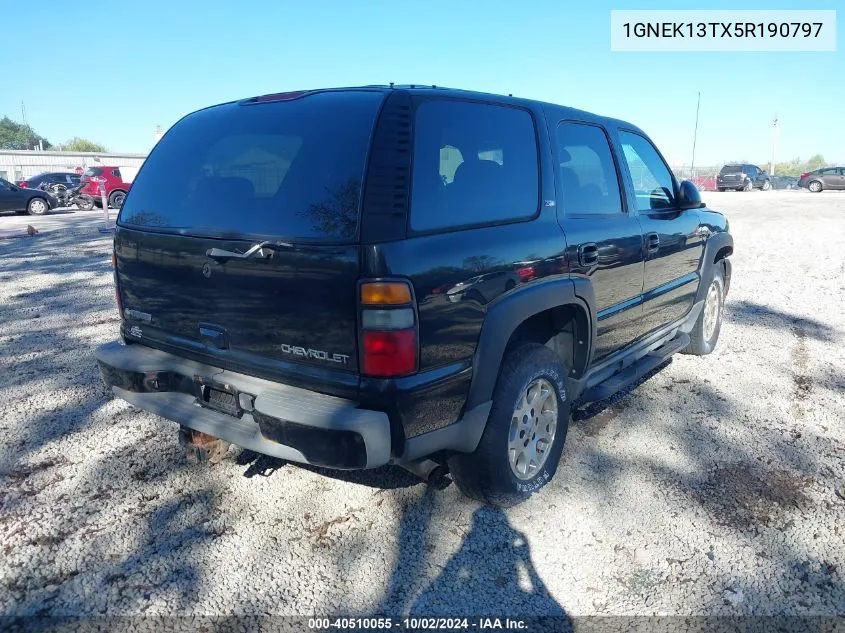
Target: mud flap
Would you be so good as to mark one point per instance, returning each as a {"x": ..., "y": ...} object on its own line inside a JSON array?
[{"x": 202, "y": 448}]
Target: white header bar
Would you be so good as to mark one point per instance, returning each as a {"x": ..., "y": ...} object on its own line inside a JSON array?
[{"x": 711, "y": 30}]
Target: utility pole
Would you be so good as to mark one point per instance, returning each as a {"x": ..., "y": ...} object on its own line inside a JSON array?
[
  {"x": 695, "y": 136},
  {"x": 774, "y": 141},
  {"x": 23, "y": 112}
]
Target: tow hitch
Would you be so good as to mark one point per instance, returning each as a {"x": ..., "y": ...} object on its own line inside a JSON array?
[{"x": 202, "y": 448}]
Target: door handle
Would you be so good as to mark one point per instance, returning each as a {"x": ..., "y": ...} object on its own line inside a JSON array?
[
  {"x": 588, "y": 254},
  {"x": 652, "y": 242}
]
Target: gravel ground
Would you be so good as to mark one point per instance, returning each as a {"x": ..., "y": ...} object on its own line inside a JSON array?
[{"x": 708, "y": 489}]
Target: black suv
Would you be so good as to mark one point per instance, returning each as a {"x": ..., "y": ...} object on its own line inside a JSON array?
[
  {"x": 743, "y": 177},
  {"x": 54, "y": 181},
  {"x": 286, "y": 265}
]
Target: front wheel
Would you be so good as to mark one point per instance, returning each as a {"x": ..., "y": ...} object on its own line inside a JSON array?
[
  {"x": 705, "y": 332},
  {"x": 37, "y": 206},
  {"x": 521, "y": 445},
  {"x": 116, "y": 199}
]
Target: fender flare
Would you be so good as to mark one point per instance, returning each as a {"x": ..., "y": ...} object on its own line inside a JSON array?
[
  {"x": 714, "y": 244},
  {"x": 505, "y": 315}
]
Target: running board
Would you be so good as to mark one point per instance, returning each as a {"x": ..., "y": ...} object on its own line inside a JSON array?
[{"x": 631, "y": 374}]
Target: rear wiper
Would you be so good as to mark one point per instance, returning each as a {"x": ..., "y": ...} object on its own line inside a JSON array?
[{"x": 262, "y": 250}]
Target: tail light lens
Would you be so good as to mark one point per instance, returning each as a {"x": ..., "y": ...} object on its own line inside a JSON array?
[
  {"x": 526, "y": 273},
  {"x": 805, "y": 174},
  {"x": 117, "y": 298},
  {"x": 24, "y": 185},
  {"x": 388, "y": 329}
]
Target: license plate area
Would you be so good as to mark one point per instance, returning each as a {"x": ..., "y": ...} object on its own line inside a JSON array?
[{"x": 217, "y": 396}]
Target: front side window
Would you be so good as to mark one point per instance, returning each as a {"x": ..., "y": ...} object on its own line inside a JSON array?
[
  {"x": 588, "y": 179},
  {"x": 654, "y": 185},
  {"x": 474, "y": 163}
]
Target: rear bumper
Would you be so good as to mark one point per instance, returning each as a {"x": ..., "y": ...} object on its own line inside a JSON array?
[{"x": 270, "y": 418}]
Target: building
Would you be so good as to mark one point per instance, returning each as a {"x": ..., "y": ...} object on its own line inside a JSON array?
[{"x": 21, "y": 164}]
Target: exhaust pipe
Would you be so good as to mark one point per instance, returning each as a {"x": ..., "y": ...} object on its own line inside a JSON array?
[{"x": 429, "y": 471}]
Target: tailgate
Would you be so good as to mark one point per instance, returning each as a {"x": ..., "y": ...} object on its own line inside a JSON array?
[{"x": 284, "y": 171}]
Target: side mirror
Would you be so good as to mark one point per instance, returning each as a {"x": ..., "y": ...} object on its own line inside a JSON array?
[{"x": 689, "y": 197}]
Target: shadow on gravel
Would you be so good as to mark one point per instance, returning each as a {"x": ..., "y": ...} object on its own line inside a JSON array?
[
  {"x": 385, "y": 477},
  {"x": 773, "y": 488},
  {"x": 755, "y": 314},
  {"x": 492, "y": 570}
]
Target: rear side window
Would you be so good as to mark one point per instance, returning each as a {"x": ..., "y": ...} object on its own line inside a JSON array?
[
  {"x": 588, "y": 180},
  {"x": 474, "y": 163},
  {"x": 93, "y": 171},
  {"x": 288, "y": 169},
  {"x": 115, "y": 173}
]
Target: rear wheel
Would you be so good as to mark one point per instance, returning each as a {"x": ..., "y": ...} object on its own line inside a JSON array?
[
  {"x": 766, "y": 185},
  {"x": 86, "y": 203},
  {"x": 815, "y": 186},
  {"x": 519, "y": 451},
  {"x": 37, "y": 206},
  {"x": 705, "y": 333},
  {"x": 749, "y": 186},
  {"x": 721, "y": 188}
]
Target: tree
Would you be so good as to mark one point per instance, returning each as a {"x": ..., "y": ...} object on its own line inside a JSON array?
[
  {"x": 77, "y": 144},
  {"x": 14, "y": 135},
  {"x": 815, "y": 162}
]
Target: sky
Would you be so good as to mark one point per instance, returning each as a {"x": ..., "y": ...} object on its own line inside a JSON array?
[{"x": 156, "y": 61}]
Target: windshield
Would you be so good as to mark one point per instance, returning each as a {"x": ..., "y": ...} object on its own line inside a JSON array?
[{"x": 289, "y": 170}]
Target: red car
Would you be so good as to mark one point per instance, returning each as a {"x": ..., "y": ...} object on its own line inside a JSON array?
[{"x": 116, "y": 188}]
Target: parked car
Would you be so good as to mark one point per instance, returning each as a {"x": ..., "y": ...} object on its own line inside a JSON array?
[
  {"x": 784, "y": 182},
  {"x": 20, "y": 199},
  {"x": 281, "y": 289},
  {"x": 704, "y": 183},
  {"x": 55, "y": 181},
  {"x": 116, "y": 188},
  {"x": 743, "y": 177},
  {"x": 824, "y": 178}
]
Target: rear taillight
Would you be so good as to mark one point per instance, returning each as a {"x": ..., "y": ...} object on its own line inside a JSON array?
[
  {"x": 24, "y": 185},
  {"x": 526, "y": 273},
  {"x": 388, "y": 329},
  {"x": 805, "y": 174},
  {"x": 117, "y": 298}
]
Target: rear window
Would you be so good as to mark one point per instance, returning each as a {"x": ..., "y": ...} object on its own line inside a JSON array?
[
  {"x": 731, "y": 169},
  {"x": 288, "y": 169},
  {"x": 474, "y": 163},
  {"x": 93, "y": 171}
]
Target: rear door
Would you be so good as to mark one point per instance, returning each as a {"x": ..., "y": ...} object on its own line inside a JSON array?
[
  {"x": 672, "y": 241},
  {"x": 830, "y": 178},
  {"x": 287, "y": 173},
  {"x": 604, "y": 240}
]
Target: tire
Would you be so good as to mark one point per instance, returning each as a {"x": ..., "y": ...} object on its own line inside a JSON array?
[
  {"x": 703, "y": 337},
  {"x": 766, "y": 185},
  {"x": 749, "y": 186},
  {"x": 116, "y": 199},
  {"x": 37, "y": 206},
  {"x": 721, "y": 188},
  {"x": 490, "y": 473},
  {"x": 85, "y": 203},
  {"x": 815, "y": 186}
]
